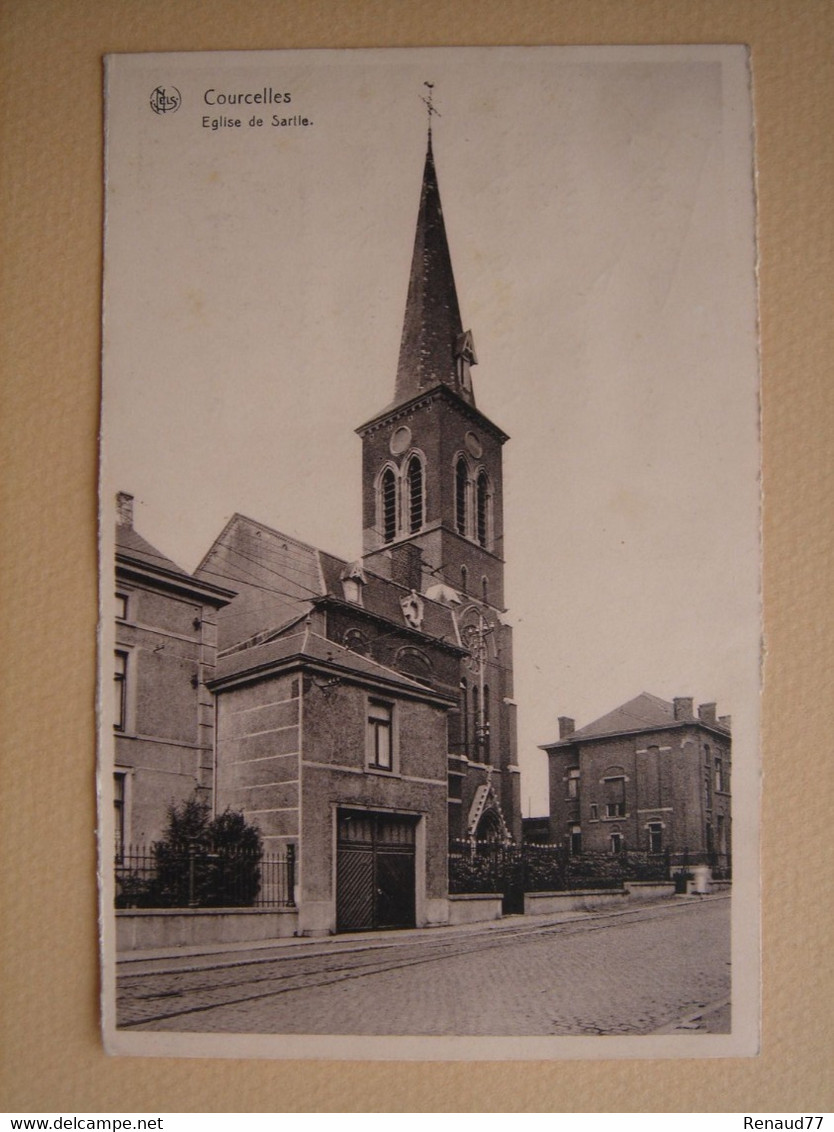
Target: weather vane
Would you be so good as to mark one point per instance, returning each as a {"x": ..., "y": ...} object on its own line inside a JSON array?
[{"x": 430, "y": 103}]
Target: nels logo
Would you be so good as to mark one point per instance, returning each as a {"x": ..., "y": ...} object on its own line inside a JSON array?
[{"x": 165, "y": 100}]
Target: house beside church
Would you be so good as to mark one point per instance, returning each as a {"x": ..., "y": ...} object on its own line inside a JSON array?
[
  {"x": 650, "y": 777},
  {"x": 166, "y": 651}
]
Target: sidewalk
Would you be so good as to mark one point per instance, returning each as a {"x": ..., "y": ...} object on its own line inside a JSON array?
[{"x": 187, "y": 958}]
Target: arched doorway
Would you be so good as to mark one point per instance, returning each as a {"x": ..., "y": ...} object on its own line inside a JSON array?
[{"x": 489, "y": 827}]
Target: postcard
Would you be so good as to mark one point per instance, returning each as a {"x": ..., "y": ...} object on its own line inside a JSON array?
[{"x": 430, "y": 563}]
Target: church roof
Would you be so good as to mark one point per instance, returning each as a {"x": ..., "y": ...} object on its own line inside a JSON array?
[
  {"x": 276, "y": 576},
  {"x": 305, "y": 645},
  {"x": 433, "y": 337},
  {"x": 279, "y": 579}
]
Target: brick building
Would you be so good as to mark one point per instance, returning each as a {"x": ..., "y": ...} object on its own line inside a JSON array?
[{"x": 650, "y": 776}]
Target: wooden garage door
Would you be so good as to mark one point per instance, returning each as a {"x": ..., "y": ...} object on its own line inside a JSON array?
[{"x": 374, "y": 871}]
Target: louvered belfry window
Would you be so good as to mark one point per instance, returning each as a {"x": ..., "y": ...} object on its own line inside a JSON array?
[
  {"x": 483, "y": 508},
  {"x": 415, "y": 494},
  {"x": 389, "y": 505},
  {"x": 461, "y": 479}
]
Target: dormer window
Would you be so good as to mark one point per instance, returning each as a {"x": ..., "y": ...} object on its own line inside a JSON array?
[{"x": 353, "y": 579}]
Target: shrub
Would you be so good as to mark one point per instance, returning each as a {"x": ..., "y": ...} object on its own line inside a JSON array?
[{"x": 207, "y": 862}]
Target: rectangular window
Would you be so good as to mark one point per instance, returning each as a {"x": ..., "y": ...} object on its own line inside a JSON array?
[
  {"x": 573, "y": 782},
  {"x": 719, "y": 776},
  {"x": 575, "y": 833},
  {"x": 615, "y": 797},
  {"x": 655, "y": 837},
  {"x": 119, "y": 800},
  {"x": 380, "y": 744},
  {"x": 121, "y": 607},
  {"x": 594, "y": 810},
  {"x": 120, "y": 680}
]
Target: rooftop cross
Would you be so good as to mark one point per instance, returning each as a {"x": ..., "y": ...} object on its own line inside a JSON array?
[{"x": 429, "y": 101}]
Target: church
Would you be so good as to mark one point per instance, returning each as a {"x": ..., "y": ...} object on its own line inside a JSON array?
[{"x": 360, "y": 713}]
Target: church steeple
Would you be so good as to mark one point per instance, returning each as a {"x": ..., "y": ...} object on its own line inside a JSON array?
[
  {"x": 434, "y": 349},
  {"x": 432, "y": 468}
]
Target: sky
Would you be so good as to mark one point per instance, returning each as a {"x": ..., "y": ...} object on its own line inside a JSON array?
[{"x": 599, "y": 211}]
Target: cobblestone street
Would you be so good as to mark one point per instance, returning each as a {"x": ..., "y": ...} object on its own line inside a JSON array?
[{"x": 657, "y": 968}]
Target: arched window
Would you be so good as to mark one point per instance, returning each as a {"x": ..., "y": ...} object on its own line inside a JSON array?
[
  {"x": 389, "y": 505},
  {"x": 482, "y": 508},
  {"x": 415, "y": 494},
  {"x": 485, "y": 589},
  {"x": 461, "y": 484},
  {"x": 464, "y": 579}
]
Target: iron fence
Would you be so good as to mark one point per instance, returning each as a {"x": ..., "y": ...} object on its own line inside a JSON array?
[
  {"x": 158, "y": 876},
  {"x": 490, "y": 866}
]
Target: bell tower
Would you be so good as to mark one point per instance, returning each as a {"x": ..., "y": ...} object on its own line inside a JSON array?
[
  {"x": 432, "y": 481},
  {"x": 432, "y": 468}
]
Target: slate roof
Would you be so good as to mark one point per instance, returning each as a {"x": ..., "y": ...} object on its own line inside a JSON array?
[
  {"x": 131, "y": 545},
  {"x": 312, "y": 647},
  {"x": 432, "y": 327},
  {"x": 133, "y": 552},
  {"x": 643, "y": 711},
  {"x": 276, "y": 578},
  {"x": 279, "y": 579}
]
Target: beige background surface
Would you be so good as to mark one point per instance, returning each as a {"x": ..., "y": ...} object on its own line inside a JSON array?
[{"x": 51, "y": 212}]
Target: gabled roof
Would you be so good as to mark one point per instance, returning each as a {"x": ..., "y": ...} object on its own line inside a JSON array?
[
  {"x": 136, "y": 557},
  {"x": 296, "y": 648},
  {"x": 276, "y": 578},
  {"x": 130, "y": 546},
  {"x": 279, "y": 580},
  {"x": 398, "y": 408}
]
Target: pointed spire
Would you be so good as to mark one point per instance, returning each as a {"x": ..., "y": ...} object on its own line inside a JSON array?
[{"x": 434, "y": 348}]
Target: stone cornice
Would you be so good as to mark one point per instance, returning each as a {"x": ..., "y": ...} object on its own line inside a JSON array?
[{"x": 397, "y": 412}]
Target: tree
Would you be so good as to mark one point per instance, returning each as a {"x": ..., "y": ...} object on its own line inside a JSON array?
[{"x": 207, "y": 862}]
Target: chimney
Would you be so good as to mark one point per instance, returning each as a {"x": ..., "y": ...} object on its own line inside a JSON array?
[
  {"x": 567, "y": 726},
  {"x": 407, "y": 566},
  {"x": 683, "y": 708},
  {"x": 726, "y": 721},
  {"x": 706, "y": 713},
  {"x": 124, "y": 509}
]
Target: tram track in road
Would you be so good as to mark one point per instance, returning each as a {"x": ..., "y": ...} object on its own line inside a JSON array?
[{"x": 186, "y": 990}]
